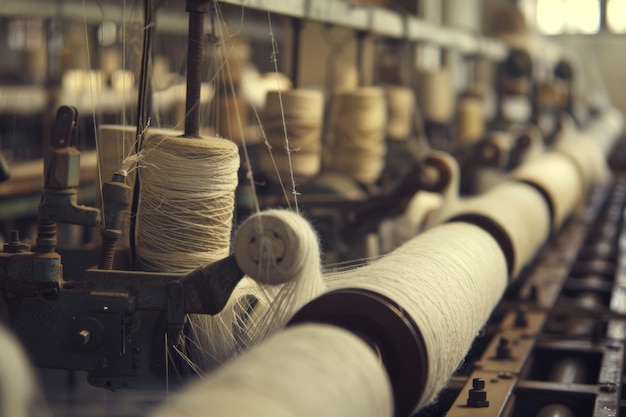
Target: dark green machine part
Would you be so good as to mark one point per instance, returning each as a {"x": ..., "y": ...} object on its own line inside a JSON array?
[{"x": 110, "y": 323}]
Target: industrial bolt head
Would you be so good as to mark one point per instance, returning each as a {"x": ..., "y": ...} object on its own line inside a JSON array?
[
  {"x": 478, "y": 383},
  {"x": 477, "y": 395}
]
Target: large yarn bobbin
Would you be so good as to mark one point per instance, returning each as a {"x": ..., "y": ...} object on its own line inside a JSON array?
[
  {"x": 186, "y": 202},
  {"x": 558, "y": 179},
  {"x": 303, "y": 112},
  {"x": 304, "y": 371},
  {"x": 516, "y": 215},
  {"x": 184, "y": 221},
  {"x": 400, "y": 112},
  {"x": 357, "y": 147},
  {"x": 588, "y": 156},
  {"x": 435, "y": 94},
  {"x": 422, "y": 306}
]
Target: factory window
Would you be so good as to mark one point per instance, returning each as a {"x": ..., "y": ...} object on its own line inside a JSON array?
[
  {"x": 556, "y": 17},
  {"x": 616, "y": 16}
]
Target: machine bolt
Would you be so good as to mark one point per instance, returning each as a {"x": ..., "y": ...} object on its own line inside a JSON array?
[
  {"x": 477, "y": 397},
  {"x": 533, "y": 293},
  {"x": 520, "y": 319},
  {"x": 503, "y": 351},
  {"x": 608, "y": 387},
  {"x": 14, "y": 245}
]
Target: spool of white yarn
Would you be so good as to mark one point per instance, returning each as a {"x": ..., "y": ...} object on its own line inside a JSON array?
[
  {"x": 443, "y": 284},
  {"x": 357, "y": 146},
  {"x": 232, "y": 114},
  {"x": 346, "y": 78},
  {"x": 587, "y": 154},
  {"x": 184, "y": 221},
  {"x": 303, "y": 112},
  {"x": 186, "y": 202},
  {"x": 279, "y": 247},
  {"x": 435, "y": 94},
  {"x": 400, "y": 112},
  {"x": 470, "y": 126},
  {"x": 304, "y": 371},
  {"x": 19, "y": 393},
  {"x": 516, "y": 215},
  {"x": 559, "y": 179}
]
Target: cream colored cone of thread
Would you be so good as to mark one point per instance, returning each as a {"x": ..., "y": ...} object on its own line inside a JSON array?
[
  {"x": 448, "y": 280},
  {"x": 303, "y": 111},
  {"x": 520, "y": 211},
  {"x": 184, "y": 221},
  {"x": 279, "y": 248},
  {"x": 346, "y": 78},
  {"x": 233, "y": 117},
  {"x": 311, "y": 370},
  {"x": 470, "y": 126},
  {"x": 357, "y": 147},
  {"x": 435, "y": 95},
  {"x": 559, "y": 177},
  {"x": 400, "y": 112}
]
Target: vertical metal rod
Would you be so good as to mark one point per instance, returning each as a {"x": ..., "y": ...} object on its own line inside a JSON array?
[
  {"x": 144, "y": 88},
  {"x": 295, "y": 52},
  {"x": 360, "y": 59},
  {"x": 196, "y": 10},
  {"x": 143, "y": 110}
]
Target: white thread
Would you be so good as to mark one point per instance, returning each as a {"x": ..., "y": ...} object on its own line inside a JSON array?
[
  {"x": 435, "y": 94},
  {"x": 303, "y": 111},
  {"x": 470, "y": 127},
  {"x": 304, "y": 371},
  {"x": 585, "y": 152},
  {"x": 520, "y": 211},
  {"x": 448, "y": 280},
  {"x": 400, "y": 111},
  {"x": 279, "y": 247},
  {"x": 559, "y": 178},
  {"x": 184, "y": 220},
  {"x": 187, "y": 194},
  {"x": 357, "y": 146}
]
